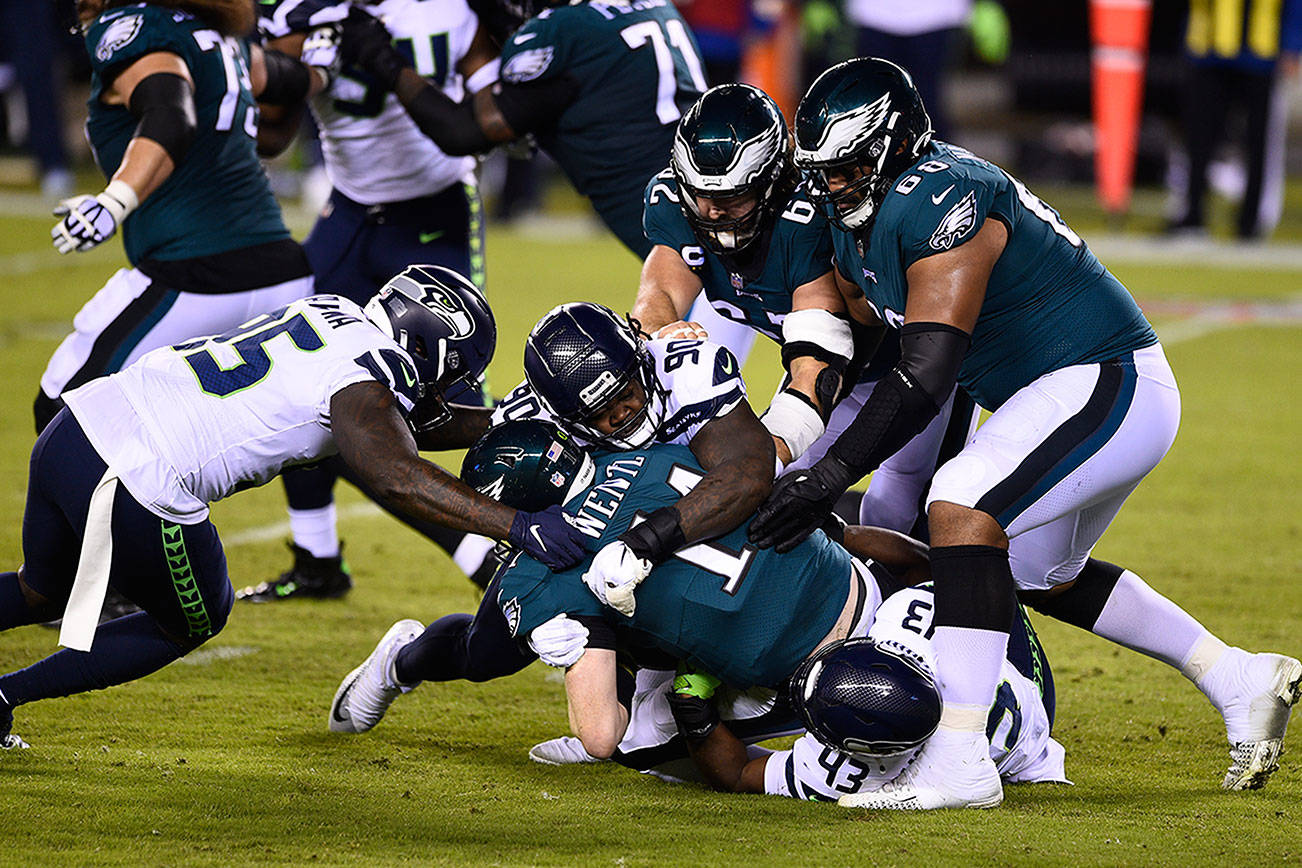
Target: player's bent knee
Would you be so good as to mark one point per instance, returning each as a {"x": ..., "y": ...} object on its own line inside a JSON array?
[
  {"x": 41, "y": 607},
  {"x": 952, "y": 524}
]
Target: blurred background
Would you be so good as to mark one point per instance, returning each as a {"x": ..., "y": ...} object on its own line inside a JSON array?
[{"x": 1215, "y": 146}]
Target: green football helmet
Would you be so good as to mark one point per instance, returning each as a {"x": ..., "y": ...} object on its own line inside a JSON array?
[
  {"x": 528, "y": 464},
  {"x": 861, "y": 124},
  {"x": 733, "y": 142}
]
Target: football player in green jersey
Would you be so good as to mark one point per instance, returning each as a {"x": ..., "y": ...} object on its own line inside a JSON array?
[
  {"x": 601, "y": 87},
  {"x": 990, "y": 288},
  {"x": 172, "y": 126}
]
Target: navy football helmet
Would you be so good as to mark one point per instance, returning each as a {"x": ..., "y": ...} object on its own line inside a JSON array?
[
  {"x": 528, "y": 465},
  {"x": 864, "y": 119},
  {"x": 579, "y": 358},
  {"x": 443, "y": 322},
  {"x": 866, "y": 698},
  {"x": 731, "y": 143}
]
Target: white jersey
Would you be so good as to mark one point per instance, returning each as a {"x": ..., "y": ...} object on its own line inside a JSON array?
[
  {"x": 702, "y": 382},
  {"x": 1020, "y": 744},
  {"x": 189, "y": 424},
  {"x": 374, "y": 152}
]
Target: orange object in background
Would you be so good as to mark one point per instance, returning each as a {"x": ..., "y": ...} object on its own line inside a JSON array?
[
  {"x": 1119, "y": 33},
  {"x": 773, "y": 63}
]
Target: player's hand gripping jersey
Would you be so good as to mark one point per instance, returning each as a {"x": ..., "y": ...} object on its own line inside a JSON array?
[
  {"x": 1018, "y": 725},
  {"x": 698, "y": 382},
  {"x": 217, "y": 199},
  {"x": 746, "y": 615},
  {"x": 190, "y": 424},
  {"x": 1049, "y": 303},
  {"x": 373, "y": 150},
  {"x": 636, "y": 69}
]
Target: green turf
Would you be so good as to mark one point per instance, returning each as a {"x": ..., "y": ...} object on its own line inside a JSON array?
[{"x": 227, "y": 761}]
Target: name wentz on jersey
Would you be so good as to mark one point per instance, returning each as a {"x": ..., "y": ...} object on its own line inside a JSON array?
[
  {"x": 746, "y": 615},
  {"x": 701, "y": 382},
  {"x": 755, "y": 286},
  {"x": 1018, "y": 725},
  {"x": 190, "y": 424},
  {"x": 373, "y": 150},
  {"x": 217, "y": 198},
  {"x": 636, "y": 68},
  {"x": 1049, "y": 302}
]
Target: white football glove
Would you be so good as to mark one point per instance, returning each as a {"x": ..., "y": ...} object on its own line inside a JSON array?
[
  {"x": 682, "y": 330},
  {"x": 559, "y": 642},
  {"x": 321, "y": 50},
  {"x": 92, "y": 220},
  {"x": 614, "y": 575}
]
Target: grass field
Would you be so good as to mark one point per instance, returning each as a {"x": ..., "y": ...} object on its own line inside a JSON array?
[{"x": 224, "y": 758}]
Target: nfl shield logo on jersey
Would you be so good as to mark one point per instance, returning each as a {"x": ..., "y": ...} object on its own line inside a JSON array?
[{"x": 737, "y": 282}]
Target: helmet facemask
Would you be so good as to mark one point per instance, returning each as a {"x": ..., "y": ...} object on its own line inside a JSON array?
[{"x": 639, "y": 430}]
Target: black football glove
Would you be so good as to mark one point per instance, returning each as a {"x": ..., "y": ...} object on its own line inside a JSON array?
[
  {"x": 368, "y": 46},
  {"x": 799, "y": 503}
]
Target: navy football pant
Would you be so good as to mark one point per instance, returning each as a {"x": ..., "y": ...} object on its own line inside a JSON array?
[{"x": 175, "y": 573}]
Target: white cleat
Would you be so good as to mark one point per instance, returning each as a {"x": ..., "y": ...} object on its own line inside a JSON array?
[
  {"x": 563, "y": 751},
  {"x": 953, "y": 770},
  {"x": 13, "y": 742},
  {"x": 1256, "y": 722},
  {"x": 367, "y": 692}
]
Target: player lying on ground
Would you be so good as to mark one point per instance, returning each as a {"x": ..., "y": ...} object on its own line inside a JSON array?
[
  {"x": 730, "y": 218},
  {"x": 122, "y": 478},
  {"x": 989, "y": 288}
]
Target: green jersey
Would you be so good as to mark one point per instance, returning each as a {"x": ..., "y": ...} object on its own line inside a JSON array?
[
  {"x": 218, "y": 198},
  {"x": 637, "y": 69},
  {"x": 755, "y": 286},
  {"x": 746, "y": 615},
  {"x": 1049, "y": 302}
]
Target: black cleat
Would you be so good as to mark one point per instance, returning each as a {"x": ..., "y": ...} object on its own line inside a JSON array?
[
  {"x": 9, "y": 741},
  {"x": 316, "y": 578}
]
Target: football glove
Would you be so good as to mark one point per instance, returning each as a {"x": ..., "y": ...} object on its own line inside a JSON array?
[
  {"x": 547, "y": 536},
  {"x": 559, "y": 642},
  {"x": 691, "y": 699},
  {"x": 799, "y": 503},
  {"x": 367, "y": 45},
  {"x": 91, "y": 220},
  {"x": 321, "y": 50},
  {"x": 615, "y": 574}
]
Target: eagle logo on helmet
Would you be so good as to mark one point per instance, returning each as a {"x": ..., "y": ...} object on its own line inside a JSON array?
[
  {"x": 955, "y": 224},
  {"x": 847, "y": 132}
]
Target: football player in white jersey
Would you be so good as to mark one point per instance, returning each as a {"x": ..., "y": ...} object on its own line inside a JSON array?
[
  {"x": 868, "y": 704},
  {"x": 588, "y": 371},
  {"x": 122, "y": 478},
  {"x": 397, "y": 199}
]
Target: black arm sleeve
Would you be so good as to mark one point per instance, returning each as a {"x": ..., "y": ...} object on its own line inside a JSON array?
[
  {"x": 450, "y": 125},
  {"x": 532, "y": 105},
  {"x": 164, "y": 104},
  {"x": 907, "y": 398},
  {"x": 288, "y": 80}
]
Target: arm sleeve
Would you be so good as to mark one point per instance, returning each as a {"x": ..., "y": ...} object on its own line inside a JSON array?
[{"x": 533, "y": 105}]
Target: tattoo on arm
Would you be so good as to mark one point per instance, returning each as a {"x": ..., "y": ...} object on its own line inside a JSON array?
[
  {"x": 736, "y": 452},
  {"x": 376, "y": 444},
  {"x": 467, "y": 425}
]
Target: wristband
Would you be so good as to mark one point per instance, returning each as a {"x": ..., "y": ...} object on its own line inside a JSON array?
[{"x": 658, "y": 537}]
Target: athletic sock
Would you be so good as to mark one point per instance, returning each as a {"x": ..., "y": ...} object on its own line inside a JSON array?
[
  {"x": 124, "y": 649},
  {"x": 13, "y": 606},
  {"x": 314, "y": 530},
  {"x": 974, "y": 612},
  {"x": 438, "y": 654},
  {"x": 1142, "y": 620}
]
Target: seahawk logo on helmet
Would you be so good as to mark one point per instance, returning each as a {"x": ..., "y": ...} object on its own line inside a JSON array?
[
  {"x": 732, "y": 143},
  {"x": 443, "y": 323},
  {"x": 858, "y": 128},
  {"x": 528, "y": 464}
]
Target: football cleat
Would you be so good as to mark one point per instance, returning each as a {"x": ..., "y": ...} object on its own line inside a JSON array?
[
  {"x": 13, "y": 742},
  {"x": 953, "y": 770},
  {"x": 318, "y": 578},
  {"x": 9, "y": 741},
  {"x": 367, "y": 692},
  {"x": 563, "y": 751},
  {"x": 1256, "y": 721}
]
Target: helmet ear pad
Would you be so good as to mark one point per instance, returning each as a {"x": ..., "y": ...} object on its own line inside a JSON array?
[{"x": 866, "y": 698}]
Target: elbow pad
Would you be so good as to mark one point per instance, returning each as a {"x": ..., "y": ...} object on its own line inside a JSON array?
[
  {"x": 164, "y": 104},
  {"x": 450, "y": 125},
  {"x": 287, "y": 79},
  {"x": 930, "y": 355},
  {"x": 819, "y": 334}
]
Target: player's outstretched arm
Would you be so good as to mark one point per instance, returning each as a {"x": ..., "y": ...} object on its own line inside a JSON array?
[
  {"x": 665, "y": 293},
  {"x": 720, "y": 755},
  {"x": 283, "y": 80},
  {"x": 900, "y": 553},
  {"x": 466, "y": 426},
  {"x": 158, "y": 91},
  {"x": 736, "y": 453}
]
